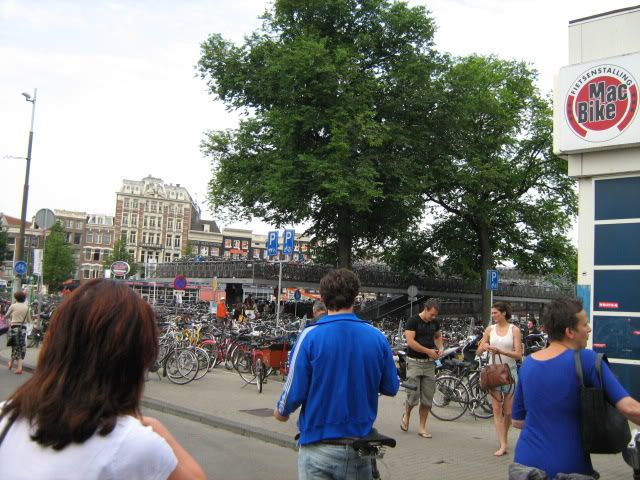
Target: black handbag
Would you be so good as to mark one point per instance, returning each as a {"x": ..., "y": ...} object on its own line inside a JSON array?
[{"x": 604, "y": 428}]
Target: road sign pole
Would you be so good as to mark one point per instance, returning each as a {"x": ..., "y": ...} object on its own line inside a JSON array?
[{"x": 278, "y": 296}]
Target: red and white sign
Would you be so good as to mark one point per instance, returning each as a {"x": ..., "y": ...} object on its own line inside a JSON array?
[
  {"x": 599, "y": 102},
  {"x": 607, "y": 304}
]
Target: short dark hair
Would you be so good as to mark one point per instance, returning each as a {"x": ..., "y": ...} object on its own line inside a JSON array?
[
  {"x": 559, "y": 315},
  {"x": 503, "y": 307},
  {"x": 431, "y": 303},
  {"x": 339, "y": 289},
  {"x": 20, "y": 296},
  {"x": 318, "y": 306},
  {"x": 91, "y": 368}
]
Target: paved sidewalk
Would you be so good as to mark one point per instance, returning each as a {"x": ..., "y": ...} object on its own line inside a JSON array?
[{"x": 460, "y": 450}]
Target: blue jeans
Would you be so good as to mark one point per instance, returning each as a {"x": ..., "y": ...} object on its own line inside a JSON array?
[{"x": 332, "y": 462}]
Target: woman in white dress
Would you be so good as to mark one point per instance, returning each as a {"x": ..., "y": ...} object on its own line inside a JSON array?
[{"x": 504, "y": 339}]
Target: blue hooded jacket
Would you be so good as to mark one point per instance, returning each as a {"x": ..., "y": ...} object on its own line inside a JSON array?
[{"x": 338, "y": 367}]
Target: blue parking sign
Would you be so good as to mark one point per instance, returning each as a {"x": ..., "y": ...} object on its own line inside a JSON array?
[
  {"x": 289, "y": 236},
  {"x": 493, "y": 279},
  {"x": 272, "y": 244}
]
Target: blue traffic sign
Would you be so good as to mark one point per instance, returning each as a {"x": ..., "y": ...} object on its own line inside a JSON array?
[
  {"x": 180, "y": 282},
  {"x": 20, "y": 267},
  {"x": 493, "y": 279},
  {"x": 272, "y": 244},
  {"x": 289, "y": 236},
  {"x": 297, "y": 295}
]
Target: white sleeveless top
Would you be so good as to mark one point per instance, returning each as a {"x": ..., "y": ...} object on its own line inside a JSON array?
[{"x": 503, "y": 343}]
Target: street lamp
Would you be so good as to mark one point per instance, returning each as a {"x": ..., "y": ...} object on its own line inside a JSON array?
[{"x": 25, "y": 191}]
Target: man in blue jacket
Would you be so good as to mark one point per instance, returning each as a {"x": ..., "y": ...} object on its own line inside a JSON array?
[{"x": 338, "y": 367}]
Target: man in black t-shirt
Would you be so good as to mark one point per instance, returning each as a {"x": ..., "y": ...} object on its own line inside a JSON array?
[{"x": 424, "y": 346}]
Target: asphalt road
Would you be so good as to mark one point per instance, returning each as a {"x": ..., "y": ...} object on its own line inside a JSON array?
[{"x": 223, "y": 455}]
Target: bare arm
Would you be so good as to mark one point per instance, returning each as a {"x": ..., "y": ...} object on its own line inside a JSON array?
[
  {"x": 187, "y": 467},
  {"x": 630, "y": 408},
  {"x": 439, "y": 341},
  {"x": 410, "y": 335},
  {"x": 484, "y": 342}
]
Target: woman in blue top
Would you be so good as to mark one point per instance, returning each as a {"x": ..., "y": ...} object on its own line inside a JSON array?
[{"x": 547, "y": 398}]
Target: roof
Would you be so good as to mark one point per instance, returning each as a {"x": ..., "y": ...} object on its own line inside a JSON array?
[
  {"x": 12, "y": 221},
  {"x": 605, "y": 14}
]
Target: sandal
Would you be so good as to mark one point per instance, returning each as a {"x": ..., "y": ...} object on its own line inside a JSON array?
[
  {"x": 404, "y": 426},
  {"x": 425, "y": 435}
]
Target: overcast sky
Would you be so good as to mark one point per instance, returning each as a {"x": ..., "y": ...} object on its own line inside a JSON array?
[{"x": 118, "y": 97}]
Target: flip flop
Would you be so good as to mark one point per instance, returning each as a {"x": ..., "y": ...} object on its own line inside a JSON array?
[
  {"x": 403, "y": 426},
  {"x": 425, "y": 435}
]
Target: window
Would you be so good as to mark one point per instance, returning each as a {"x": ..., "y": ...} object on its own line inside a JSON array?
[
  {"x": 107, "y": 239},
  {"x": 100, "y": 220},
  {"x": 126, "y": 203},
  {"x": 123, "y": 235},
  {"x": 145, "y": 221},
  {"x": 96, "y": 255},
  {"x": 167, "y": 257},
  {"x": 87, "y": 254},
  {"x": 178, "y": 224},
  {"x": 77, "y": 238},
  {"x": 215, "y": 251},
  {"x": 99, "y": 238},
  {"x": 125, "y": 219},
  {"x": 169, "y": 239},
  {"x": 245, "y": 245},
  {"x": 176, "y": 241},
  {"x": 94, "y": 273},
  {"x": 256, "y": 253},
  {"x": 89, "y": 237},
  {"x": 86, "y": 273},
  {"x": 176, "y": 256},
  {"x": 227, "y": 243},
  {"x": 134, "y": 203},
  {"x": 132, "y": 237},
  {"x": 236, "y": 244},
  {"x": 194, "y": 249},
  {"x": 159, "y": 220},
  {"x": 134, "y": 219},
  {"x": 204, "y": 250},
  {"x": 154, "y": 207},
  {"x": 144, "y": 237},
  {"x": 170, "y": 224},
  {"x": 206, "y": 227},
  {"x": 152, "y": 222},
  {"x": 172, "y": 209}
]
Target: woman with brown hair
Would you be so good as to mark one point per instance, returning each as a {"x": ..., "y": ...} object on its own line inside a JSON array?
[
  {"x": 505, "y": 341},
  {"x": 78, "y": 416}
]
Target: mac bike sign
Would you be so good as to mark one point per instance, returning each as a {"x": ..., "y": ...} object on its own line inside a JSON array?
[{"x": 600, "y": 105}]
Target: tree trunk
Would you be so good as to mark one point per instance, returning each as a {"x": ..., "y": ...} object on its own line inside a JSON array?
[
  {"x": 486, "y": 262},
  {"x": 345, "y": 239}
]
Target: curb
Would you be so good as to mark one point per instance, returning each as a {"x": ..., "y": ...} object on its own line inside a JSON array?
[{"x": 232, "y": 426}]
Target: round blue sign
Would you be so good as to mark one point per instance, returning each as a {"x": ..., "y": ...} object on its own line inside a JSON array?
[
  {"x": 297, "y": 295},
  {"x": 180, "y": 282},
  {"x": 20, "y": 267}
]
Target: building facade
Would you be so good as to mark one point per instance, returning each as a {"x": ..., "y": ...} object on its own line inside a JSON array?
[{"x": 99, "y": 237}]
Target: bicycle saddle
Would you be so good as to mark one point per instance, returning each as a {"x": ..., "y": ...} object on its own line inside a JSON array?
[{"x": 374, "y": 439}]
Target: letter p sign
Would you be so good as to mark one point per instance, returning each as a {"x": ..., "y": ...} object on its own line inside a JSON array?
[
  {"x": 272, "y": 244},
  {"x": 289, "y": 236}
]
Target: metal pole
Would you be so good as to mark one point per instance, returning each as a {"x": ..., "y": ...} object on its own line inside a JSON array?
[
  {"x": 25, "y": 191},
  {"x": 278, "y": 296}
]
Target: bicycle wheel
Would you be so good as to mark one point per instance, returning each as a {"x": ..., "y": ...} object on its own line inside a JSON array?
[
  {"x": 181, "y": 366},
  {"x": 203, "y": 362},
  {"x": 480, "y": 401},
  {"x": 260, "y": 373},
  {"x": 213, "y": 350},
  {"x": 451, "y": 399},
  {"x": 246, "y": 368}
]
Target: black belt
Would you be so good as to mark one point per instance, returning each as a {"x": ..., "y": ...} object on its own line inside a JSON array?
[{"x": 339, "y": 441}]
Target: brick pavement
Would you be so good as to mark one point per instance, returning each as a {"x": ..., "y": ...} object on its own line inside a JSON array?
[{"x": 460, "y": 450}]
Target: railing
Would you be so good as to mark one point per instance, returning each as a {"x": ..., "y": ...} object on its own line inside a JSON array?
[{"x": 311, "y": 273}]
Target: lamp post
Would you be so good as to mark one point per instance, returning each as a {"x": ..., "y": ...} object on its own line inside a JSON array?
[{"x": 25, "y": 191}]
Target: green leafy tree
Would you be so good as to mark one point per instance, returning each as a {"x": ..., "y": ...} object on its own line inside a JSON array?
[
  {"x": 120, "y": 252},
  {"x": 59, "y": 264},
  {"x": 337, "y": 100},
  {"x": 497, "y": 192},
  {"x": 187, "y": 249},
  {"x": 4, "y": 251}
]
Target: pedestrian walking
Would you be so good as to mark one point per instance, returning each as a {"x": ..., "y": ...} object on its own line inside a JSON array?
[
  {"x": 18, "y": 317},
  {"x": 319, "y": 310},
  {"x": 503, "y": 341},
  {"x": 338, "y": 368},
  {"x": 547, "y": 399},
  {"x": 78, "y": 417},
  {"x": 424, "y": 347}
]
